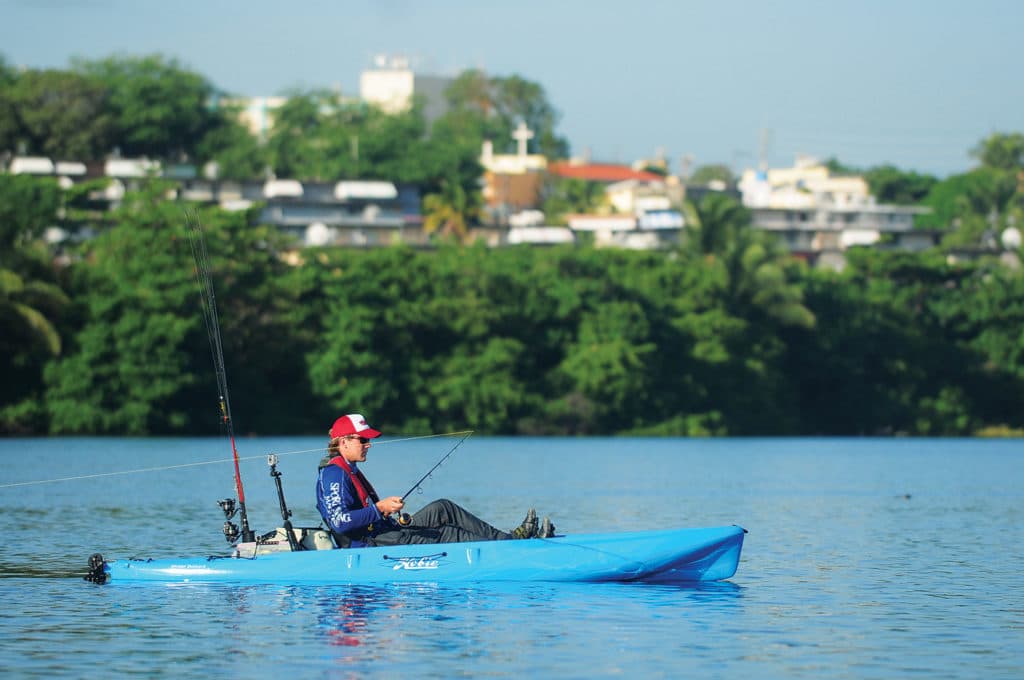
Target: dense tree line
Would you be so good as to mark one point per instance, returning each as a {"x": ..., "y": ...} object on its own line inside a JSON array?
[{"x": 723, "y": 335}]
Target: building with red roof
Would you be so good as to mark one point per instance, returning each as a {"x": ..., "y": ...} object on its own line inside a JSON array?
[{"x": 601, "y": 172}]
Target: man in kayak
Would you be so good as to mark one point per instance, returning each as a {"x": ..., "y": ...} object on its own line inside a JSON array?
[{"x": 358, "y": 517}]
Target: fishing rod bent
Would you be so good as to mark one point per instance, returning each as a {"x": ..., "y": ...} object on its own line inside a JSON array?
[{"x": 208, "y": 302}]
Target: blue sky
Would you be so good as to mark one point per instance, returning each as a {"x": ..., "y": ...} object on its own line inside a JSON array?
[{"x": 913, "y": 83}]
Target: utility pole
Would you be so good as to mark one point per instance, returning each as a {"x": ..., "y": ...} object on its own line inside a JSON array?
[
  {"x": 684, "y": 166},
  {"x": 762, "y": 154}
]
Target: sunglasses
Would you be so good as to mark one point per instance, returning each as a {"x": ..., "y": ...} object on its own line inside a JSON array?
[{"x": 362, "y": 440}]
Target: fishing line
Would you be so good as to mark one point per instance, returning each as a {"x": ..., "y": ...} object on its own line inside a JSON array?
[
  {"x": 164, "y": 468},
  {"x": 437, "y": 464}
]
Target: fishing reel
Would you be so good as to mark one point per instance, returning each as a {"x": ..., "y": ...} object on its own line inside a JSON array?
[
  {"x": 229, "y": 507},
  {"x": 231, "y": 532},
  {"x": 404, "y": 519}
]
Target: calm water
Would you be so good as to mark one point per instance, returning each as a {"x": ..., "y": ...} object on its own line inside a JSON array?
[{"x": 843, "y": 575}]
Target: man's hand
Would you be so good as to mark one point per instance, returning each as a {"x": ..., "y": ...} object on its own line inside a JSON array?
[{"x": 390, "y": 505}]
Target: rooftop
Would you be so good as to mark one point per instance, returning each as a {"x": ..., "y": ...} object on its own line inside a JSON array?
[{"x": 601, "y": 172}]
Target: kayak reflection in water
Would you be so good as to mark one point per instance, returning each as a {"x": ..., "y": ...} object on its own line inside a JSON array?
[{"x": 358, "y": 517}]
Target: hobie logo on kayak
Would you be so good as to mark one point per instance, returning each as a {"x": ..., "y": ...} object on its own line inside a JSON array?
[{"x": 416, "y": 563}]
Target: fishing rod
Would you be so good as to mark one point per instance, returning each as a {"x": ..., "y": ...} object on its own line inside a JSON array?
[
  {"x": 404, "y": 518},
  {"x": 208, "y": 301}
]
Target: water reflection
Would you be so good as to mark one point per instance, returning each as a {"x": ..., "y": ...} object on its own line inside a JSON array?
[
  {"x": 346, "y": 617},
  {"x": 430, "y": 618}
]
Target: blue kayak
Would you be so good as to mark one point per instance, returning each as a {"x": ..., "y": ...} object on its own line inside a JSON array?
[{"x": 666, "y": 555}]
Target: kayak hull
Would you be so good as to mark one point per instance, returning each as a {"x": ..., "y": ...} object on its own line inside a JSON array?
[{"x": 668, "y": 555}]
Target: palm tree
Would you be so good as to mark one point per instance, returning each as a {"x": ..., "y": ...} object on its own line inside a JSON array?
[
  {"x": 450, "y": 211},
  {"x": 29, "y": 299},
  {"x": 20, "y": 304},
  {"x": 29, "y": 339},
  {"x": 718, "y": 230}
]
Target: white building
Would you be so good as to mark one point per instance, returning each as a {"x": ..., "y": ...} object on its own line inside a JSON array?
[
  {"x": 648, "y": 231},
  {"x": 818, "y": 215},
  {"x": 636, "y": 197},
  {"x": 392, "y": 84}
]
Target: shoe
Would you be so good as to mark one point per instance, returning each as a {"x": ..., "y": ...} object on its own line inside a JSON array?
[
  {"x": 547, "y": 529},
  {"x": 528, "y": 529}
]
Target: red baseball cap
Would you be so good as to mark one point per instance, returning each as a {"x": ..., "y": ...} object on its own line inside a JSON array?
[{"x": 353, "y": 423}]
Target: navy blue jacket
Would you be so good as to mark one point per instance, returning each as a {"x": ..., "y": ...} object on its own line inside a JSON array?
[{"x": 342, "y": 510}]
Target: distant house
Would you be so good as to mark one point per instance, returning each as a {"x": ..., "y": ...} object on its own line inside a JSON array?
[
  {"x": 642, "y": 205},
  {"x": 641, "y": 196},
  {"x": 818, "y": 215},
  {"x": 30, "y": 165},
  {"x": 42, "y": 166},
  {"x": 539, "y": 236},
  {"x": 645, "y": 232},
  {"x": 351, "y": 213}
]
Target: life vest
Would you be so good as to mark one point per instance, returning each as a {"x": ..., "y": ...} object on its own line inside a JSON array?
[
  {"x": 363, "y": 487},
  {"x": 366, "y": 496}
]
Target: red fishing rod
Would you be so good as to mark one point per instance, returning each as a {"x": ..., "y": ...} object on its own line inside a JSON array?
[{"x": 208, "y": 301}]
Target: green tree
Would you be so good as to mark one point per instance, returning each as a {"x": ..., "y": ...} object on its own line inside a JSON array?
[
  {"x": 58, "y": 114},
  {"x": 758, "y": 274},
  {"x": 888, "y": 184},
  {"x": 706, "y": 174},
  {"x": 393, "y": 146},
  {"x": 31, "y": 300},
  {"x": 608, "y": 362},
  {"x": 160, "y": 109},
  {"x": 972, "y": 204},
  {"x": 237, "y": 153},
  {"x": 1001, "y": 151},
  {"x": 363, "y": 354},
  {"x": 519, "y": 99},
  {"x": 9, "y": 125},
  {"x": 498, "y": 104},
  {"x": 297, "y": 146},
  {"x": 450, "y": 211},
  {"x": 760, "y": 297},
  {"x": 899, "y": 348},
  {"x": 317, "y": 137},
  {"x": 563, "y": 196},
  {"x": 452, "y": 154},
  {"x": 129, "y": 361},
  {"x": 141, "y": 361}
]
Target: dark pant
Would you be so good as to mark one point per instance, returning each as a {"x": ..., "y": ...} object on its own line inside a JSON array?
[{"x": 440, "y": 522}]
